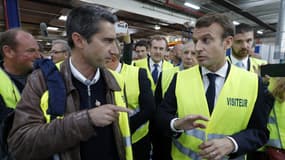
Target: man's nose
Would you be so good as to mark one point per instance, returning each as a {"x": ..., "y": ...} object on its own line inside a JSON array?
[
  {"x": 157, "y": 50},
  {"x": 198, "y": 46},
  {"x": 114, "y": 49},
  {"x": 245, "y": 45}
]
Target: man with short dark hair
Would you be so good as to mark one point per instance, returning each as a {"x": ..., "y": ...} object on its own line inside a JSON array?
[
  {"x": 141, "y": 48},
  {"x": 214, "y": 109},
  {"x": 154, "y": 64},
  {"x": 92, "y": 123},
  {"x": 242, "y": 49}
]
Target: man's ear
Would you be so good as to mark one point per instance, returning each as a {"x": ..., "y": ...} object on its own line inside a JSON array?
[
  {"x": 8, "y": 51},
  {"x": 228, "y": 41},
  {"x": 78, "y": 40}
]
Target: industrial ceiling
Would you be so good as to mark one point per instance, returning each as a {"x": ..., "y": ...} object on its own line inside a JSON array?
[{"x": 172, "y": 16}]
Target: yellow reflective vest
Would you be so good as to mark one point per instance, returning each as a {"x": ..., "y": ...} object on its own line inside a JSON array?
[
  {"x": 276, "y": 122},
  {"x": 143, "y": 63},
  {"x": 255, "y": 63},
  {"x": 8, "y": 90},
  {"x": 123, "y": 116},
  {"x": 166, "y": 78},
  {"x": 130, "y": 74},
  {"x": 231, "y": 114}
]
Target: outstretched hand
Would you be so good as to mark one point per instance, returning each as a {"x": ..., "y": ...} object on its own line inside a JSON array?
[{"x": 189, "y": 122}]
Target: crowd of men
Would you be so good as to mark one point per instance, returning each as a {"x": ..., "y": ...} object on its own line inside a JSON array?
[{"x": 84, "y": 101}]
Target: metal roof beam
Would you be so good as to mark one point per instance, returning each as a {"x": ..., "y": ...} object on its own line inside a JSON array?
[
  {"x": 144, "y": 9},
  {"x": 238, "y": 10}
]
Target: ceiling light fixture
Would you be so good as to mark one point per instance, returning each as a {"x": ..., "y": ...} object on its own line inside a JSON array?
[
  {"x": 52, "y": 28},
  {"x": 157, "y": 27},
  {"x": 259, "y": 32},
  {"x": 63, "y": 18},
  {"x": 236, "y": 23},
  {"x": 191, "y": 5}
]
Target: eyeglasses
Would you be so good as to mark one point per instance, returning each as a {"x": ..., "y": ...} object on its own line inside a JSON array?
[{"x": 57, "y": 52}]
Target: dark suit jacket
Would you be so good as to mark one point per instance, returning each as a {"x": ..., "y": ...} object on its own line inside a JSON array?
[
  {"x": 146, "y": 102},
  {"x": 250, "y": 139}
]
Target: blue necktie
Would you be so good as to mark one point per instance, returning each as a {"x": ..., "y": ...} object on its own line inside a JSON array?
[
  {"x": 211, "y": 91},
  {"x": 155, "y": 73},
  {"x": 239, "y": 64}
]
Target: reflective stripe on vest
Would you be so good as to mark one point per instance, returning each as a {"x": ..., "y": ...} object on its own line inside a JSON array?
[
  {"x": 196, "y": 133},
  {"x": 276, "y": 121},
  {"x": 274, "y": 143},
  {"x": 233, "y": 103},
  {"x": 130, "y": 74},
  {"x": 124, "y": 126},
  {"x": 166, "y": 78},
  {"x": 8, "y": 90},
  {"x": 143, "y": 63},
  {"x": 275, "y": 124},
  {"x": 271, "y": 120},
  {"x": 184, "y": 150},
  {"x": 191, "y": 154},
  {"x": 128, "y": 141},
  {"x": 123, "y": 116},
  {"x": 274, "y": 140}
]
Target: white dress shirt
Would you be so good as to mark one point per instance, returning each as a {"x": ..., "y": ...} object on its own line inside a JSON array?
[
  {"x": 151, "y": 66},
  {"x": 119, "y": 68},
  {"x": 81, "y": 77}
]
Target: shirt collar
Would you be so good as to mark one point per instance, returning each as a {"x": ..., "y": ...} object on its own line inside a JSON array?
[
  {"x": 81, "y": 78},
  {"x": 181, "y": 67},
  {"x": 222, "y": 72},
  {"x": 235, "y": 60},
  {"x": 119, "y": 68},
  {"x": 151, "y": 63}
]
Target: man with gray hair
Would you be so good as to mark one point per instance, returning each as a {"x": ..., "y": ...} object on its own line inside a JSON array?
[{"x": 59, "y": 50}]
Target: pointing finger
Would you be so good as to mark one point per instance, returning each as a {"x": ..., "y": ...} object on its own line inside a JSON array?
[{"x": 122, "y": 109}]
